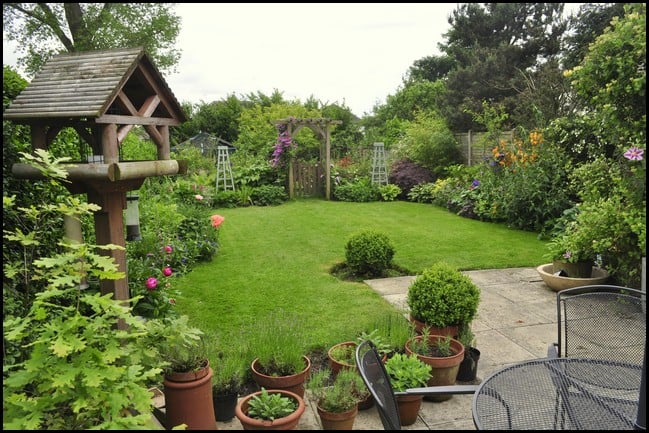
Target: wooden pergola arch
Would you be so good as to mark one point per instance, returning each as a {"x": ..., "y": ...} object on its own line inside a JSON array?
[
  {"x": 322, "y": 128},
  {"x": 102, "y": 95}
]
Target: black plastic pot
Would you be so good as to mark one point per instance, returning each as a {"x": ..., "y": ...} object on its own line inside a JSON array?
[
  {"x": 224, "y": 405},
  {"x": 469, "y": 365}
]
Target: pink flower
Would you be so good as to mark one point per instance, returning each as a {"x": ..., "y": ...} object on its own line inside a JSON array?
[
  {"x": 168, "y": 249},
  {"x": 217, "y": 220},
  {"x": 167, "y": 271},
  {"x": 198, "y": 197},
  {"x": 634, "y": 154},
  {"x": 151, "y": 283}
]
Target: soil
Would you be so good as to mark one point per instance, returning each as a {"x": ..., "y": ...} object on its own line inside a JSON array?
[{"x": 344, "y": 272}]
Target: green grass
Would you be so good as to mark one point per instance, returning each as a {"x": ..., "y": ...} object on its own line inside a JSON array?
[{"x": 279, "y": 257}]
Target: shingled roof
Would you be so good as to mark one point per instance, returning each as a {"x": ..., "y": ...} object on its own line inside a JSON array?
[{"x": 89, "y": 84}]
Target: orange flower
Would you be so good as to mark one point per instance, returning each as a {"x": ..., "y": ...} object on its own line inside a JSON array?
[{"x": 217, "y": 220}]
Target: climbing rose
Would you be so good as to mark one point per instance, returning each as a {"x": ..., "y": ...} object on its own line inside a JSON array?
[
  {"x": 198, "y": 197},
  {"x": 168, "y": 249},
  {"x": 217, "y": 220},
  {"x": 151, "y": 283},
  {"x": 167, "y": 271}
]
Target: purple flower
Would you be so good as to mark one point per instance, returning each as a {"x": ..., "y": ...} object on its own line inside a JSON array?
[
  {"x": 567, "y": 255},
  {"x": 634, "y": 154},
  {"x": 475, "y": 184}
]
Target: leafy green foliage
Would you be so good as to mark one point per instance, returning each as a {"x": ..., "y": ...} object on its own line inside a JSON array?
[
  {"x": 389, "y": 192},
  {"x": 270, "y": 405},
  {"x": 443, "y": 296},
  {"x": 268, "y": 195},
  {"x": 369, "y": 252},
  {"x": 359, "y": 190},
  {"x": 80, "y": 370},
  {"x": 407, "y": 371},
  {"x": 45, "y": 29}
]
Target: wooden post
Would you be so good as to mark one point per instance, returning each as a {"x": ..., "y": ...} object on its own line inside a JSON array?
[
  {"x": 109, "y": 229},
  {"x": 291, "y": 177},
  {"x": 328, "y": 162}
]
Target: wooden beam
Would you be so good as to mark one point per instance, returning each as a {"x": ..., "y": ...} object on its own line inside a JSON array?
[{"x": 136, "y": 120}]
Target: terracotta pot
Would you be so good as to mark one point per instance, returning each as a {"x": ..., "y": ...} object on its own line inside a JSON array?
[
  {"x": 409, "y": 406},
  {"x": 444, "y": 369},
  {"x": 224, "y": 405},
  {"x": 434, "y": 330},
  {"x": 337, "y": 365},
  {"x": 293, "y": 383},
  {"x": 286, "y": 423},
  {"x": 337, "y": 420},
  {"x": 469, "y": 366},
  {"x": 189, "y": 401}
]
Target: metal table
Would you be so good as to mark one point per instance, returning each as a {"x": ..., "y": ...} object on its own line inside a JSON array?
[{"x": 559, "y": 393}]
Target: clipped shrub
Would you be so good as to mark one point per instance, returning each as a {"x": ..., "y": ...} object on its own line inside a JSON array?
[
  {"x": 443, "y": 296},
  {"x": 405, "y": 174},
  {"x": 369, "y": 253}
]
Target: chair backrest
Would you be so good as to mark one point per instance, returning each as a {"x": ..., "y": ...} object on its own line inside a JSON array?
[
  {"x": 602, "y": 322},
  {"x": 376, "y": 379}
]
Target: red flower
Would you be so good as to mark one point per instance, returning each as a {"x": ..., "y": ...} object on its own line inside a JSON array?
[
  {"x": 167, "y": 271},
  {"x": 217, "y": 220}
]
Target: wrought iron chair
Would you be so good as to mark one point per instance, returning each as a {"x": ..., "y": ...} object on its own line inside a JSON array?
[
  {"x": 601, "y": 322},
  {"x": 376, "y": 379},
  {"x": 598, "y": 322}
]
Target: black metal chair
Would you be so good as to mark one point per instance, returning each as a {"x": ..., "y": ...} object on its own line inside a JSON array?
[
  {"x": 601, "y": 322},
  {"x": 376, "y": 379}
]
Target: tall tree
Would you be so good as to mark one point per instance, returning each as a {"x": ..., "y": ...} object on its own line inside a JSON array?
[
  {"x": 497, "y": 48},
  {"x": 45, "y": 29}
]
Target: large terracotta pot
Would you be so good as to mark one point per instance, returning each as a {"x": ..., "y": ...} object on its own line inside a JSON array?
[
  {"x": 188, "y": 399},
  {"x": 337, "y": 420},
  {"x": 293, "y": 383},
  {"x": 444, "y": 369},
  {"x": 409, "y": 406},
  {"x": 434, "y": 330},
  {"x": 286, "y": 423}
]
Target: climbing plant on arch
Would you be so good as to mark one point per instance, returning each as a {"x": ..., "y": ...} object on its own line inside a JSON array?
[{"x": 321, "y": 127}]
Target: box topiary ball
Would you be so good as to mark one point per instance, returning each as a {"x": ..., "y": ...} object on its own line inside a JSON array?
[
  {"x": 369, "y": 253},
  {"x": 443, "y": 296}
]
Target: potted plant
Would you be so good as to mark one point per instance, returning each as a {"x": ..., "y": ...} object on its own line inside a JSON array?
[
  {"x": 442, "y": 298},
  {"x": 337, "y": 397},
  {"x": 469, "y": 366},
  {"x": 279, "y": 353},
  {"x": 275, "y": 409},
  {"x": 407, "y": 371},
  {"x": 343, "y": 355},
  {"x": 227, "y": 381},
  {"x": 443, "y": 353},
  {"x": 187, "y": 374},
  {"x": 571, "y": 252}
]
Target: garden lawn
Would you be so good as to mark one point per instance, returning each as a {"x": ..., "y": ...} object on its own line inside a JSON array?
[{"x": 279, "y": 258}]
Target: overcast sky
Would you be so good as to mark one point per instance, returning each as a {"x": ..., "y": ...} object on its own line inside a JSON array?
[{"x": 349, "y": 53}]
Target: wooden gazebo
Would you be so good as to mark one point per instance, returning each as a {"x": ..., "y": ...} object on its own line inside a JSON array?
[
  {"x": 102, "y": 95},
  {"x": 322, "y": 128}
]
